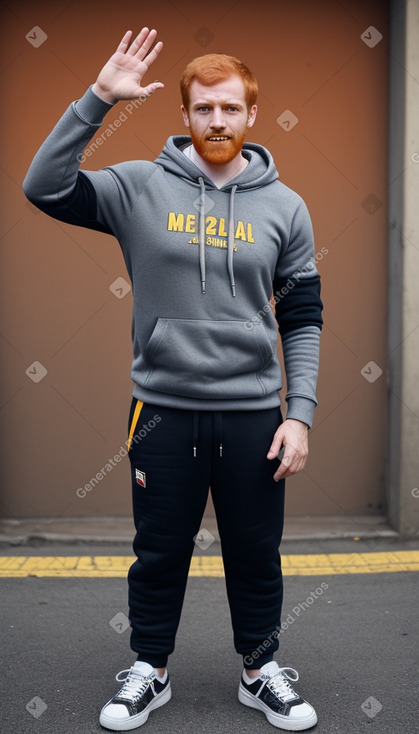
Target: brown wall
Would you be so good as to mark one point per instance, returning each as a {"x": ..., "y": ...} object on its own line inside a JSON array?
[{"x": 57, "y": 308}]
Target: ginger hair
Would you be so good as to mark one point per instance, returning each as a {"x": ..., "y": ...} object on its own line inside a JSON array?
[{"x": 213, "y": 68}]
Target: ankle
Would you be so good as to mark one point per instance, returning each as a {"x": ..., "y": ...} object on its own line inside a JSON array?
[
  {"x": 160, "y": 672},
  {"x": 252, "y": 673}
]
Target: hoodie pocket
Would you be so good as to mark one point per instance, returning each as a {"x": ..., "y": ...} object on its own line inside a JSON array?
[{"x": 200, "y": 358}]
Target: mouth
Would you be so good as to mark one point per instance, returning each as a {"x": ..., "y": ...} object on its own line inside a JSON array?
[{"x": 218, "y": 138}]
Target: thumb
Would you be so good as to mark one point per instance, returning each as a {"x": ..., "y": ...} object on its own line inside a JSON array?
[{"x": 151, "y": 88}]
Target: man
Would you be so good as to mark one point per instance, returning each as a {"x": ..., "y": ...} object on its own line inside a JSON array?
[{"x": 208, "y": 233}]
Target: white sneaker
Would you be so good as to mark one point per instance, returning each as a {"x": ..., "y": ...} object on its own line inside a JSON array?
[
  {"x": 273, "y": 694},
  {"x": 141, "y": 693}
]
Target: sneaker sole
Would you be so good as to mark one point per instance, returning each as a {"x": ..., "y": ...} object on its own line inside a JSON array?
[
  {"x": 281, "y": 722},
  {"x": 133, "y": 722}
]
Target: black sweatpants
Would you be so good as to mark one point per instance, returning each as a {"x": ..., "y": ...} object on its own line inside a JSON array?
[{"x": 176, "y": 455}]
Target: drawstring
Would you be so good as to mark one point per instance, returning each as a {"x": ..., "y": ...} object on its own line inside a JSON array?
[
  {"x": 231, "y": 242},
  {"x": 218, "y": 425},
  {"x": 195, "y": 430},
  {"x": 202, "y": 234}
]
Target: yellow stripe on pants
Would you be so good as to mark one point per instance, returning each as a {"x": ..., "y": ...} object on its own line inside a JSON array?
[{"x": 134, "y": 421}]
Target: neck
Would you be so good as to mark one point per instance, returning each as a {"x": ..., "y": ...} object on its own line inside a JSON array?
[{"x": 219, "y": 174}]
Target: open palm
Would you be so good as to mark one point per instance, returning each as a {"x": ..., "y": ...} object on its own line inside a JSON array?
[{"x": 122, "y": 75}]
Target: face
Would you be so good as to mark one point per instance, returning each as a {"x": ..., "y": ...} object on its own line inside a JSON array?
[{"x": 218, "y": 119}]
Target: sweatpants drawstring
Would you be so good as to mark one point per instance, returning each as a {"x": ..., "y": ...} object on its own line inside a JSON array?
[
  {"x": 218, "y": 420},
  {"x": 218, "y": 432},
  {"x": 195, "y": 430}
]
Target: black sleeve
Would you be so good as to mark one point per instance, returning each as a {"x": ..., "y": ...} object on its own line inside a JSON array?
[
  {"x": 297, "y": 303},
  {"x": 79, "y": 207}
]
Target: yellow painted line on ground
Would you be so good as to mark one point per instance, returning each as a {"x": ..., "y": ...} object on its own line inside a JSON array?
[{"x": 321, "y": 564}]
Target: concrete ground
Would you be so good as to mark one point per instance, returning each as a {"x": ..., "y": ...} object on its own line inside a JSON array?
[
  {"x": 355, "y": 646},
  {"x": 120, "y": 529}
]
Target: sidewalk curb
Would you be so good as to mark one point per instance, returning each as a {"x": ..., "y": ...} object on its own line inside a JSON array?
[{"x": 112, "y": 530}]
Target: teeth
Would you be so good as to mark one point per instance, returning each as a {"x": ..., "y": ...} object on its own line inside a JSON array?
[{"x": 224, "y": 137}]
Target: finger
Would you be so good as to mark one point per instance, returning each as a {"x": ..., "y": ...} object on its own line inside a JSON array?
[
  {"x": 124, "y": 42},
  {"x": 152, "y": 56},
  {"x": 145, "y": 42},
  {"x": 275, "y": 445},
  {"x": 281, "y": 473},
  {"x": 286, "y": 467},
  {"x": 148, "y": 41},
  {"x": 289, "y": 457},
  {"x": 138, "y": 41}
]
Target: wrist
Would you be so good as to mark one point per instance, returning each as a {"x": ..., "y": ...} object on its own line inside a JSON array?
[
  {"x": 301, "y": 408},
  {"x": 297, "y": 420},
  {"x": 103, "y": 94}
]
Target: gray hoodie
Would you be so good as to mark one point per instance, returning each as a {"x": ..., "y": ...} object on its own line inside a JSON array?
[{"x": 203, "y": 262}]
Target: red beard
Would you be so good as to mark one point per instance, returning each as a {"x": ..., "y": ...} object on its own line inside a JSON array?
[{"x": 218, "y": 153}]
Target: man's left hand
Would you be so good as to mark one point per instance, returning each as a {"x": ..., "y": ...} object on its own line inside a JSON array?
[{"x": 293, "y": 435}]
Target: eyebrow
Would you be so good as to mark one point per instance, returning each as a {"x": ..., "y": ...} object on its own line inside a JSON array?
[{"x": 233, "y": 102}]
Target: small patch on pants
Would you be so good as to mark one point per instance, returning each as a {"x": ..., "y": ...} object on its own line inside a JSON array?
[{"x": 140, "y": 477}]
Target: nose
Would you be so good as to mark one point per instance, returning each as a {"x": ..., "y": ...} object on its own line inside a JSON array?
[{"x": 217, "y": 119}]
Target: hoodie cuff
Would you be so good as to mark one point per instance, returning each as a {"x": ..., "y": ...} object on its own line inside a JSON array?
[
  {"x": 301, "y": 409},
  {"x": 91, "y": 108}
]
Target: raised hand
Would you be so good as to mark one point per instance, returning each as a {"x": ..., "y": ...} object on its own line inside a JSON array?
[{"x": 121, "y": 76}]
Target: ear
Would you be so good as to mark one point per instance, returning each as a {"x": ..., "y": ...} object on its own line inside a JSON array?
[
  {"x": 185, "y": 115},
  {"x": 252, "y": 115}
]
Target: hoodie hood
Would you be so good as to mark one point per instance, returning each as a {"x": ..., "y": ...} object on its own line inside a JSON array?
[{"x": 261, "y": 171}]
